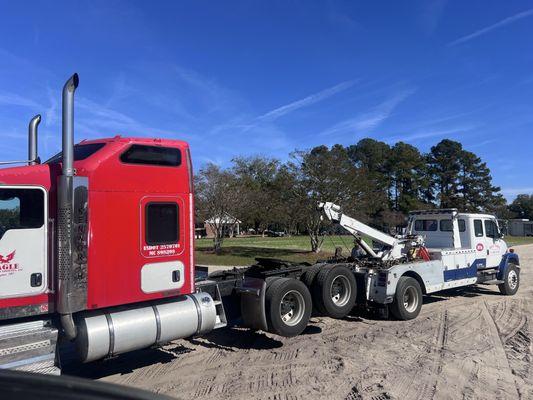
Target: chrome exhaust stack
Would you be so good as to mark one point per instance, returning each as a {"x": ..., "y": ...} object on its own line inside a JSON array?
[
  {"x": 65, "y": 198},
  {"x": 33, "y": 157}
]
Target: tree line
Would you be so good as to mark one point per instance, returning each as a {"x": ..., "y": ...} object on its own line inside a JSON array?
[{"x": 371, "y": 180}]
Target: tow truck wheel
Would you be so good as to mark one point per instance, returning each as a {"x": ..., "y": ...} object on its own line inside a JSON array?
[
  {"x": 511, "y": 281},
  {"x": 335, "y": 291},
  {"x": 288, "y": 307},
  {"x": 407, "y": 299}
]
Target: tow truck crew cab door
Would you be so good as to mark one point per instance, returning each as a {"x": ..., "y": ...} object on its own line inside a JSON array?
[
  {"x": 488, "y": 242},
  {"x": 23, "y": 241}
]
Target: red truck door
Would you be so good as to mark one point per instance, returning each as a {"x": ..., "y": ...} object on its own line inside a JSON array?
[{"x": 163, "y": 244}]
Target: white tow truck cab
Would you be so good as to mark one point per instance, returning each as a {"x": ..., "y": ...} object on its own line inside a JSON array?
[
  {"x": 442, "y": 249},
  {"x": 448, "y": 229}
]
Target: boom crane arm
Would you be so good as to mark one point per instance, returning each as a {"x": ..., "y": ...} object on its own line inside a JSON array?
[{"x": 357, "y": 229}]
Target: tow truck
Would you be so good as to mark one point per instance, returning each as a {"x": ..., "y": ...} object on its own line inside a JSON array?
[
  {"x": 97, "y": 253},
  {"x": 442, "y": 249}
]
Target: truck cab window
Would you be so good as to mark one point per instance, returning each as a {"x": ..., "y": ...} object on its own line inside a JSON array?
[
  {"x": 152, "y": 155},
  {"x": 478, "y": 228},
  {"x": 81, "y": 152},
  {"x": 162, "y": 224},
  {"x": 21, "y": 209},
  {"x": 446, "y": 225},
  {"x": 462, "y": 225},
  {"x": 425, "y": 225},
  {"x": 491, "y": 229}
]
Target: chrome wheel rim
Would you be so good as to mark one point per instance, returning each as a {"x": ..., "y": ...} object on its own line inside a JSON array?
[
  {"x": 512, "y": 279},
  {"x": 292, "y": 308},
  {"x": 410, "y": 299},
  {"x": 340, "y": 291}
]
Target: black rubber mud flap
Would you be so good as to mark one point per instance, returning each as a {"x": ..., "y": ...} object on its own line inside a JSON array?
[{"x": 253, "y": 303}]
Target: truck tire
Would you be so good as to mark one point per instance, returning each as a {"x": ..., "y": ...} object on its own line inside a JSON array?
[
  {"x": 407, "y": 299},
  {"x": 335, "y": 291},
  {"x": 288, "y": 307},
  {"x": 308, "y": 277},
  {"x": 511, "y": 281}
]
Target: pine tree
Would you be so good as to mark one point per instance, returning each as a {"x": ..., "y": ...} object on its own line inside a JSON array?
[
  {"x": 461, "y": 179},
  {"x": 475, "y": 189},
  {"x": 409, "y": 177},
  {"x": 445, "y": 166}
]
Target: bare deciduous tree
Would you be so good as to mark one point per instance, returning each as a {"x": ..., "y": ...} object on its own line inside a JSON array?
[{"x": 216, "y": 199}]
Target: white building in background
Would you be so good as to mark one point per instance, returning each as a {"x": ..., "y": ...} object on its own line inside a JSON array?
[{"x": 520, "y": 227}]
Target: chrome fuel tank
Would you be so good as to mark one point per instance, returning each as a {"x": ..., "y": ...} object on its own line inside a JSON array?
[{"x": 109, "y": 333}]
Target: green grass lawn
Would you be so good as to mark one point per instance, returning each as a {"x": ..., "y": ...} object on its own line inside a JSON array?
[
  {"x": 517, "y": 240},
  {"x": 244, "y": 250}
]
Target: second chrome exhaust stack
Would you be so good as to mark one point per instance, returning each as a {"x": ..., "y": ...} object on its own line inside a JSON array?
[{"x": 33, "y": 157}]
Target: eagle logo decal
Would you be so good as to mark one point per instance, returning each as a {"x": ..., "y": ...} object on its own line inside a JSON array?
[{"x": 7, "y": 259}]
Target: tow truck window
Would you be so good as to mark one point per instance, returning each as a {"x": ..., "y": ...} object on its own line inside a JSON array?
[
  {"x": 162, "y": 225},
  {"x": 422, "y": 225},
  {"x": 491, "y": 230},
  {"x": 152, "y": 155},
  {"x": 478, "y": 228},
  {"x": 446, "y": 225},
  {"x": 21, "y": 209},
  {"x": 81, "y": 152}
]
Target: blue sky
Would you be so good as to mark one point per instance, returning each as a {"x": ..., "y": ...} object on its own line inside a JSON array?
[{"x": 250, "y": 77}]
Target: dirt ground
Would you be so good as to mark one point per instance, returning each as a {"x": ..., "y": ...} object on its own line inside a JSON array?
[{"x": 469, "y": 344}]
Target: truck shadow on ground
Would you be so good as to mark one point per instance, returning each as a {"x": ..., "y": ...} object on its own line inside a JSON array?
[
  {"x": 234, "y": 338},
  {"x": 126, "y": 363},
  {"x": 468, "y": 291}
]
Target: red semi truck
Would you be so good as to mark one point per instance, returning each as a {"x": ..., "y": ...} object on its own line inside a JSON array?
[{"x": 97, "y": 249}]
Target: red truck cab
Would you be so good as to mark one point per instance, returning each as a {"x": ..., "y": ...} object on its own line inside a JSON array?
[{"x": 134, "y": 221}]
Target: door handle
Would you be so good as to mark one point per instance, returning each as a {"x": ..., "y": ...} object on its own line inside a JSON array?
[
  {"x": 176, "y": 276},
  {"x": 36, "y": 280}
]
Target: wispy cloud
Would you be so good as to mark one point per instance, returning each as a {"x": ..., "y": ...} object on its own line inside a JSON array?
[
  {"x": 52, "y": 113},
  {"x": 98, "y": 120},
  {"x": 372, "y": 119},
  {"x": 497, "y": 25},
  {"x": 12, "y": 99},
  {"x": 431, "y": 133},
  {"x": 264, "y": 125},
  {"x": 306, "y": 101}
]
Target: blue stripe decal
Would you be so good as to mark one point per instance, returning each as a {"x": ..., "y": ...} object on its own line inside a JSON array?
[{"x": 464, "y": 273}]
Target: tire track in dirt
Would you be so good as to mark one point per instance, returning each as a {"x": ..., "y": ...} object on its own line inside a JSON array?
[
  {"x": 514, "y": 328},
  {"x": 500, "y": 351},
  {"x": 428, "y": 389}
]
